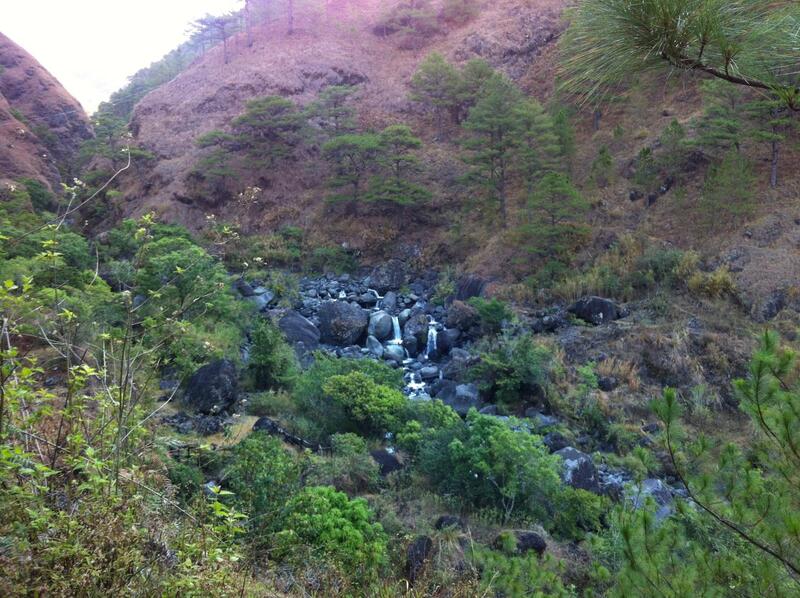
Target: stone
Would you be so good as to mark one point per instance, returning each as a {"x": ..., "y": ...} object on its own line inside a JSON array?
[
  {"x": 462, "y": 398},
  {"x": 461, "y": 316},
  {"x": 595, "y": 310},
  {"x": 213, "y": 388},
  {"x": 381, "y": 326},
  {"x": 658, "y": 491},
  {"x": 387, "y": 461},
  {"x": 555, "y": 441},
  {"x": 389, "y": 302},
  {"x": 367, "y": 299},
  {"x": 526, "y": 541},
  {"x": 429, "y": 373},
  {"x": 418, "y": 552},
  {"x": 417, "y": 328},
  {"x": 342, "y": 323},
  {"x": 375, "y": 347},
  {"x": 579, "y": 470},
  {"x": 299, "y": 329},
  {"x": 549, "y": 323},
  {"x": 394, "y": 353},
  {"x": 607, "y": 383},
  {"x": 446, "y": 521},
  {"x": 635, "y": 195},
  {"x": 388, "y": 276},
  {"x": 447, "y": 340},
  {"x": 243, "y": 288},
  {"x": 469, "y": 286}
]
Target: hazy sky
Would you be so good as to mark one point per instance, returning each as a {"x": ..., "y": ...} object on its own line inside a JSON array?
[{"x": 93, "y": 46}]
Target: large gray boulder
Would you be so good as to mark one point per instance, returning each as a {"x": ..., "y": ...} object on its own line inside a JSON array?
[
  {"x": 394, "y": 353},
  {"x": 461, "y": 397},
  {"x": 380, "y": 326},
  {"x": 416, "y": 327},
  {"x": 342, "y": 324},
  {"x": 595, "y": 310},
  {"x": 213, "y": 388},
  {"x": 389, "y": 276},
  {"x": 298, "y": 329},
  {"x": 579, "y": 470}
]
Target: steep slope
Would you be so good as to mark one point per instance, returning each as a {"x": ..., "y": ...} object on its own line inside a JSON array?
[
  {"x": 338, "y": 45},
  {"x": 41, "y": 124}
]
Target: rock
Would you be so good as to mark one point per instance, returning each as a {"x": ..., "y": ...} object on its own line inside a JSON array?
[
  {"x": 461, "y": 316},
  {"x": 394, "y": 353},
  {"x": 380, "y": 326},
  {"x": 410, "y": 345},
  {"x": 416, "y": 555},
  {"x": 213, "y": 388},
  {"x": 243, "y": 288},
  {"x": 387, "y": 461},
  {"x": 579, "y": 470},
  {"x": 367, "y": 299},
  {"x": 462, "y": 398},
  {"x": 446, "y": 521},
  {"x": 595, "y": 310},
  {"x": 656, "y": 490},
  {"x": 417, "y": 327},
  {"x": 555, "y": 441},
  {"x": 446, "y": 340},
  {"x": 429, "y": 373},
  {"x": 607, "y": 383},
  {"x": 375, "y": 347},
  {"x": 403, "y": 316},
  {"x": 298, "y": 329},
  {"x": 526, "y": 541},
  {"x": 651, "y": 428},
  {"x": 342, "y": 323},
  {"x": 489, "y": 410},
  {"x": 204, "y": 425},
  {"x": 540, "y": 419},
  {"x": 389, "y": 302},
  {"x": 549, "y": 323},
  {"x": 391, "y": 275},
  {"x": 635, "y": 195},
  {"x": 261, "y": 298},
  {"x": 469, "y": 286}
]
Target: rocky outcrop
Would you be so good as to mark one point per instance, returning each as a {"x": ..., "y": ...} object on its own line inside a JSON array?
[
  {"x": 596, "y": 310},
  {"x": 342, "y": 323},
  {"x": 41, "y": 124}
]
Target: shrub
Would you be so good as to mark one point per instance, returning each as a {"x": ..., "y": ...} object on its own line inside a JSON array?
[
  {"x": 326, "y": 524},
  {"x": 263, "y": 475},
  {"x": 272, "y": 360},
  {"x": 374, "y": 408},
  {"x": 330, "y": 259},
  {"x": 276, "y": 403},
  {"x": 492, "y": 313},
  {"x": 718, "y": 283},
  {"x": 514, "y": 370},
  {"x": 490, "y": 463},
  {"x": 187, "y": 479},
  {"x": 422, "y": 419},
  {"x": 526, "y": 575},
  {"x": 350, "y": 468}
]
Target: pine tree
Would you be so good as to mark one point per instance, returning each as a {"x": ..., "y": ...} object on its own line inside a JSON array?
[
  {"x": 332, "y": 110},
  {"x": 565, "y": 131},
  {"x": 269, "y": 129},
  {"x": 436, "y": 85},
  {"x": 473, "y": 77},
  {"x": 492, "y": 128},
  {"x": 399, "y": 162},
  {"x": 673, "y": 143},
  {"x": 352, "y": 158},
  {"x": 769, "y": 123},
  {"x": 537, "y": 149},
  {"x": 721, "y": 127}
]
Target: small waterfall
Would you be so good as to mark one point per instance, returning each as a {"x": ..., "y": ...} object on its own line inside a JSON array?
[
  {"x": 398, "y": 336},
  {"x": 431, "y": 347},
  {"x": 379, "y": 297}
]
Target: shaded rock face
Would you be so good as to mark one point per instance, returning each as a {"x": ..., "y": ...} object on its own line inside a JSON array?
[
  {"x": 388, "y": 462},
  {"x": 446, "y": 521},
  {"x": 213, "y": 388},
  {"x": 468, "y": 287},
  {"x": 416, "y": 555},
  {"x": 416, "y": 328},
  {"x": 41, "y": 124},
  {"x": 342, "y": 324},
  {"x": 389, "y": 276}
]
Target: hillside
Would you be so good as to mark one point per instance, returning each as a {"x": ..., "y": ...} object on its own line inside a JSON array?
[{"x": 41, "y": 124}]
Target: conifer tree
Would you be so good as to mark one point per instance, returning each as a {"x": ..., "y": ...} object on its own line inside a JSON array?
[
  {"x": 352, "y": 157},
  {"x": 537, "y": 145},
  {"x": 564, "y": 130},
  {"x": 436, "y": 85},
  {"x": 269, "y": 129},
  {"x": 769, "y": 123},
  {"x": 397, "y": 158},
  {"x": 333, "y": 111}
]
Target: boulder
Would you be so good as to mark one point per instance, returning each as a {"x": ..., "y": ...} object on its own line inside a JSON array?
[
  {"x": 380, "y": 326},
  {"x": 387, "y": 461},
  {"x": 262, "y": 298},
  {"x": 243, "y": 287},
  {"x": 416, "y": 555},
  {"x": 367, "y": 300},
  {"x": 446, "y": 521},
  {"x": 461, "y": 316},
  {"x": 447, "y": 339},
  {"x": 213, "y": 388},
  {"x": 411, "y": 345},
  {"x": 526, "y": 541},
  {"x": 403, "y": 316},
  {"x": 469, "y": 286},
  {"x": 298, "y": 329},
  {"x": 394, "y": 353},
  {"x": 461, "y": 398},
  {"x": 388, "y": 276},
  {"x": 607, "y": 383},
  {"x": 375, "y": 347},
  {"x": 417, "y": 327},
  {"x": 595, "y": 310},
  {"x": 555, "y": 441},
  {"x": 656, "y": 490},
  {"x": 342, "y": 323},
  {"x": 549, "y": 323},
  {"x": 579, "y": 470},
  {"x": 389, "y": 302},
  {"x": 430, "y": 372}
]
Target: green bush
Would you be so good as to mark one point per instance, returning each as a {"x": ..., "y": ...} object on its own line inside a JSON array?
[
  {"x": 492, "y": 313},
  {"x": 350, "y": 468},
  {"x": 274, "y": 403},
  {"x": 490, "y": 463},
  {"x": 514, "y": 369},
  {"x": 272, "y": 361},
  {"x": 330, "y": 259},
  {"x": 526, "y": 575},
  {"x": 372, "y": 407},
  {"x": 187, "y": 479},
  {"x": 262, "y": 475},
  {"x": 326, "y": 524}
]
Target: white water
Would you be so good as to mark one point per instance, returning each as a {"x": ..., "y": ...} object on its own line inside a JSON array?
[
  {"x": 379, "y": 304},
  {"x": 431, "y": 347},
  {"x": 398, "y": 336}
]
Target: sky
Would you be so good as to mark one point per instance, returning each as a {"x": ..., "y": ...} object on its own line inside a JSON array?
[{"x": 93, "y": 46}]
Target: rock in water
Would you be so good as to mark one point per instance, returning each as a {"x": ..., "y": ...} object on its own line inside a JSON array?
[
  {"x": 213, "y": 388},
  {"x": 595, "y": 310},
  {"x": 380, "y": 325},
  {"x": 375, "y": 347},
  {"x": 342, "y": 324}
]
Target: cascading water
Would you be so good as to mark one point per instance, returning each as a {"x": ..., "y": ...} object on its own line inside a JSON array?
[
  {"x": 397, "y": 335},
  {"x": 430, "y": 348},
  {"x": 379, "y": 302}
]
